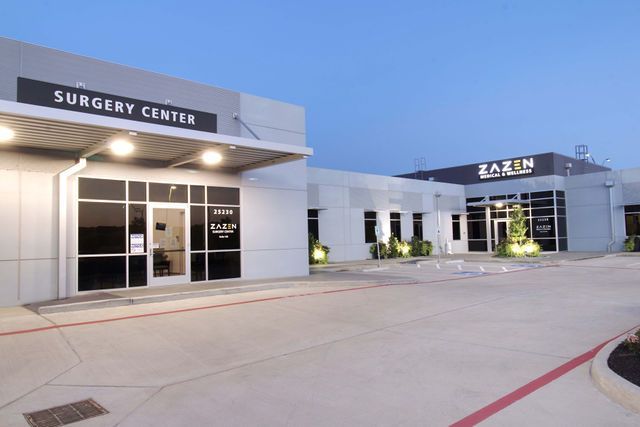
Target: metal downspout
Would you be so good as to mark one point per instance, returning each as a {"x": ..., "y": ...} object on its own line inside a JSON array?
[
  {"x": 610, "y": 185},
  {"x": 62, "y": 224}
]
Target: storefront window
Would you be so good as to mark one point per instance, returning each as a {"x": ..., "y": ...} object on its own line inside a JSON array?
[
  {"x": 224, "y": 227},
  {"x": 172, "y": 193},
  {"x": 137, "y": 191},
  {"x": 198, "y": 225},
  {"x": 632, "y": 220},
  {"x": 101, "y": 189},
  {"x": 312, "y": 223},
  {"x": 112, "y": 236},
  {"x": 223, "y": 196},
  {"x": 137, "y": 228},
  {"x": 198, "y": 268},
  {"x": 96, "y": 273},
  {"x": 542, "y": 209},
  {"x": 197, "y": 194},
  {"x": 370, "y": 222},
  {"x": 396, "y": 227},
  {"x": 137, "y": 271},
  {"x": 455, "y": 225},
  {"x": 417, "y": 226},
  {"x": 101, "y": 228},
  {"x": 223, "y": 231},
  {"x": 224, "y": 265}
]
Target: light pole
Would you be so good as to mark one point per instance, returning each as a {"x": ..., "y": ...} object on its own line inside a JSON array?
[{"x": 593, "y": 159}]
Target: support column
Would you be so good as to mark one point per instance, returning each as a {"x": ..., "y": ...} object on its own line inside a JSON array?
[{"x": 62, "y": 224}]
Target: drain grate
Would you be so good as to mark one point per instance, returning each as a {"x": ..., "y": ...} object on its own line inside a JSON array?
[{"x": 65, "y": 414}]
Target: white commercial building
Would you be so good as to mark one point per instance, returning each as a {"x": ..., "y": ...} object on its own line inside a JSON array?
[{"x": 114, "y": 177}]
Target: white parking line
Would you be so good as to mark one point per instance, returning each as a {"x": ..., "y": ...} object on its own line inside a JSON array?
[{"x": 632, "y": 264}]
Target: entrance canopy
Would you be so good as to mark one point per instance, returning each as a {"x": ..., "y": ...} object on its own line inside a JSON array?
[
  {"x": 87, "y": 134},
  {"x": 487, "y": 202}
]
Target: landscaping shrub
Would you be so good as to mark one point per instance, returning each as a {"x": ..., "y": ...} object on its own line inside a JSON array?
[
  {"x": 632, "y": 343},
  {"x": 630, "y": 243},
  {"x": 517, "y": 244},
  {"x": 384, "y": 250},
  {"x": 318, "y": 253},
  {"x": 395, "y": 248},
  {"x": 420, "y": 247}
]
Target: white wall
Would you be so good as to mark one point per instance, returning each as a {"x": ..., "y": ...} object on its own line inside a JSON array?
[
  {"x": 588, "y": 209},
  {"x": 343, "y": 197},
  {"x": 274, "y": 221},
  {"x": 28, "y": 250}
]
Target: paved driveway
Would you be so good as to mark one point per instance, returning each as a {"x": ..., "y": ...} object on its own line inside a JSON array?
[{"x": 428, "y": 353}]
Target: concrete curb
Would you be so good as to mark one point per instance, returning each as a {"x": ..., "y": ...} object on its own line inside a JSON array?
[
  {"x": 611, "y": 384},
  {"x": 148, "y": 299}
]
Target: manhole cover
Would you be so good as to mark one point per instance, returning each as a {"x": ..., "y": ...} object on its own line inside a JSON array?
[{"x": 65, "y": 414}]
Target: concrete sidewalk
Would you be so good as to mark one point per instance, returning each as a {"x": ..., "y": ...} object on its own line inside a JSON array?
[
  {"x": 484, "y": 257},
  {"x": 428, "y": 353},
  {"x": 344, "y": 273},
  {"x": 145, "y": 295}
]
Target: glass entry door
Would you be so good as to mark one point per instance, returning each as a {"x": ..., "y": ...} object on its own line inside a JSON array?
[
  {"x": 168, "y": 243},
  {"x": 500, "y": 230}
]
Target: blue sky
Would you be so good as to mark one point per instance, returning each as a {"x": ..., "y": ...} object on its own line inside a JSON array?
[{"x": 385, "y": 82}]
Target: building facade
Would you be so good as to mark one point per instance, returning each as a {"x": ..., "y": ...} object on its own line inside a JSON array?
[
  {"x": 115, "y": 177},
  {"x": 80, "y": 218},
  {"x": 569, "y": 204}
]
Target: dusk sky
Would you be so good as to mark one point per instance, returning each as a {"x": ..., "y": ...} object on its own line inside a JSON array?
[{"x": 385, "y": 82}]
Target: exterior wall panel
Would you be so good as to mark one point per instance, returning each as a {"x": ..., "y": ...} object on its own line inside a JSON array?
[{"x": 343, "y": 226}]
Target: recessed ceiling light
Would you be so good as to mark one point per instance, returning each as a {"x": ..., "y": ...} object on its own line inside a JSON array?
[
  {"x": 121, "y": 147},
  {"x": 211, "y": 157},
  {"x": 6, "y": 134}
]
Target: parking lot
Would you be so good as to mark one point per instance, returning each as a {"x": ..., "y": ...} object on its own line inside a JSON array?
[{"x": 415, "y": 344}]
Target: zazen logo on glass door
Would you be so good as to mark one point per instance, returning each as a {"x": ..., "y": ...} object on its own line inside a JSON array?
[{"x": 505, "y": 168}]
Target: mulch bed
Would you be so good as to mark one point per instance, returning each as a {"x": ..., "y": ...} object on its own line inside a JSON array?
[{"x": 626, "y": 364}]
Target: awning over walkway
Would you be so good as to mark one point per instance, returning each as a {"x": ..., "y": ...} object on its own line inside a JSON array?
[
  {"x": 486, "y": 201},
  {"x": 87, "y": 134}
]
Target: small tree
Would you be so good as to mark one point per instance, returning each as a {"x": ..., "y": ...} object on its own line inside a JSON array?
[
  {"x": 318, "y": 253},
  {"x": 518, "y": 226},
  {"x": 517, "y": 244}
]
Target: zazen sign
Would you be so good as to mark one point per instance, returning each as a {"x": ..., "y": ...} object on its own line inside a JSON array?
[{"x": 506, "y": 168}]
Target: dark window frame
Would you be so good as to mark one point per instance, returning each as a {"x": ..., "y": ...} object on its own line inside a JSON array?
[
  {"x": 455, "y": 227},
  {"x": 313, "y": 223},
  {"x": 395, "y": 224},
  {"x": 369, "y": 226},
  {"x": 418, "y": 226},
  {"x": 130, "y": 200}
]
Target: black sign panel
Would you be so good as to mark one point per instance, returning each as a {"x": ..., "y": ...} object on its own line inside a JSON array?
[
  {"x": 224, "y": 227},
  {"x": 543, "y": 227},
  {"x": 87, "y": 101}
]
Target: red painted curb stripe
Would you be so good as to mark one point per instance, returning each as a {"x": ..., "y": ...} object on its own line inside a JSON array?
[
  {"x": 182, "y": 310},
  {"x": 508, "y": 399},
  {"x": 207, "y": 307}
]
